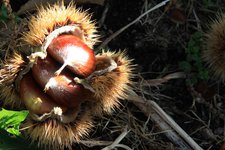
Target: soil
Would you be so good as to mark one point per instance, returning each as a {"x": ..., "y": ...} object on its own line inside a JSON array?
[{"x": 158, "y": 44}]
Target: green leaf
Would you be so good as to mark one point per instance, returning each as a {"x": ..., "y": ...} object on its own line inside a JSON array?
[
  {"x": 9, "y": 131},
  {"x": 17, "y": 18},
  {"x": 203, "y": 74},
  {"x": 195, "y": 50},
  {"x": 11, "y": 120},
  {"x": 4, "y": 15},
  {"x": 191, "y": 44},
  {"x": 186, "y": 66},
  {"x": 193, "y": 63}
]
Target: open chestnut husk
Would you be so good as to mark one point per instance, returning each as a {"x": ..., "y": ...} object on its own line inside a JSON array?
[{"x": 60, "y": 80}]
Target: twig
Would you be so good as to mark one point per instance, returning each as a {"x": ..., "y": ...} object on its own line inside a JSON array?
[
  {"x": 131, "y": 23},
  {"x": 157, "y": 82},
  {"x": 102, "y": 20},
  {"x": 93, "y": 143},
  {"x": 197, "y": 20},
  {"x": 118, "y": 140},
  {"x": 175, "y": 133}
]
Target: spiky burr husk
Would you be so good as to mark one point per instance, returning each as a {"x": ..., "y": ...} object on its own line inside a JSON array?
[
  {"x": 109, "y": 88},
  {"x": 214, "y": 54},
  {"x": 52, "y": 134},
  {"x": 115, "y": 85},
  {"x": 9, "y": 71},
  {"x": 52, "y": 17}
]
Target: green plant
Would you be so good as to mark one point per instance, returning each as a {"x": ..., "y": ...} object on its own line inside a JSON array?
[
  {"x": 193, "y": 64},
  {"x": 10, "y": 136},
  {"x": 4, "y": 15},
  {"x": 11, "y": 120},
  {"x": 207, "y": 3}
]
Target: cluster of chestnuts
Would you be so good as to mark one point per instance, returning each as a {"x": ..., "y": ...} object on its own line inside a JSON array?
[{"x": 60, "y": 79}]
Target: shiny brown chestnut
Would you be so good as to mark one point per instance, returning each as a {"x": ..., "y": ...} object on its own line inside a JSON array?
[
  {"x": 62, "y": 89},
  {"x": 34, "y": 99},
  {"x": 73, "y": 53}
]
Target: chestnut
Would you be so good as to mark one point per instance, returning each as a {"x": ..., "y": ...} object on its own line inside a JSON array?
[
  {"x": 62, "y": 89},
  {"x": 34, "y": 99},
  {"x": 73, "y": 53}
]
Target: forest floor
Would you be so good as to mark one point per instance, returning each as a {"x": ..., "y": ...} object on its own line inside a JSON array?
[{"x": 167, "y": 41}]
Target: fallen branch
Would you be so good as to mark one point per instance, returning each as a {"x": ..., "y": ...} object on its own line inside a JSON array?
[{"x": 165, "y": 123}]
